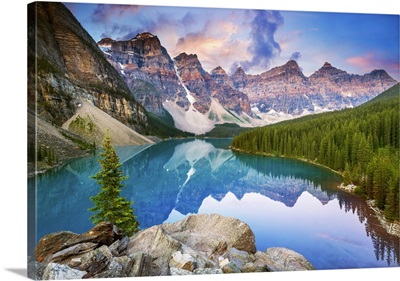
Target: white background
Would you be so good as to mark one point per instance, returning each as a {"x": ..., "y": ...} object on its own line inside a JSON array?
[{"x": 13, "y": 130}]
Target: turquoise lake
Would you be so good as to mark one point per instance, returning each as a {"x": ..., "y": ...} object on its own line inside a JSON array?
[{"x": 286, "y": 202}]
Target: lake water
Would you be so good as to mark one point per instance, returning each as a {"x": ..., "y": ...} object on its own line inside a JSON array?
[{"x": 286, "y": 202}]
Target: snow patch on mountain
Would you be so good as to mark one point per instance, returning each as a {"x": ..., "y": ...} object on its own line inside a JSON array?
[{"x": 190, "y": 121}]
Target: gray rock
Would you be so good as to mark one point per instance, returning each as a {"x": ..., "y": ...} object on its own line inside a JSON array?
[
  {"x": 240, "y": 258},
  {"x": 142, "y": 265},
  {"x": 154, "y": 242},
  {"x": 182, "y": 261},
  {"x": 123, "y": 245},
  {"x": 114, "y": 248},
  {"x": 174, "y": 271},
  {"x": 74, "y": 250},
  {"x": 283, "y": 259},
  {"x": 118, "y": 267},
  {"x": 96, "y": 261},
  {"x": 199, "y": 271},
  {"x": 230, "y": 267},
  {"x": 36, "y": 270},
  {"x": 201, "y": 260},
  {"x": 251, "y": 267},
  {"x": 56, "y": 271},
  {"x": 261, "y": 261}
]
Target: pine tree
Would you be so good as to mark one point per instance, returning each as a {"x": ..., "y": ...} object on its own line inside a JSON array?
[
  {"x": 109, "y": 205},
  {"x": 346, "y": 175},
  {"x": 49, "y": 156}
]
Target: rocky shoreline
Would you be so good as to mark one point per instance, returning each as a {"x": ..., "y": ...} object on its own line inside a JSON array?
[
  {"x": 198, "y": 244},
  {"x": 392, "y": 227}
]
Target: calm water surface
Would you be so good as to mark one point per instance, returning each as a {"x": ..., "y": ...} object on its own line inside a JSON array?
[{"x": 287, "y": 203}]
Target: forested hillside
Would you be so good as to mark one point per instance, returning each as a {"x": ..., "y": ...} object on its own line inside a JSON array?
[{"x": 362, "y": 143}]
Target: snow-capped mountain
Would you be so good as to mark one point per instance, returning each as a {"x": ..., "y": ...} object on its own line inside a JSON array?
[
  {"x": 198, "y": 100},
  {"x": 284, "y": 92},
  {"x": 179, "y": 86}
]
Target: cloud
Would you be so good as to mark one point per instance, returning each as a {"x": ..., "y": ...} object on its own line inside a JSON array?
[
  {"x": 218, "y": 41},
  {"x": 263, "y": 46},
  {"x": 295, "y": 56},
  {"x": 104, "y": 13},
  {"x": 371, "y": 61},
  {"x": 212, "y": 51},
  {"x": 366, "y": 63},
  {"x": 220, "y": 37},
  {"x": 240, "y": 38}
]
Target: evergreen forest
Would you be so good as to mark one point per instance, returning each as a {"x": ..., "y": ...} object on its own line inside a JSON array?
[{"x": 361, "y": 143}]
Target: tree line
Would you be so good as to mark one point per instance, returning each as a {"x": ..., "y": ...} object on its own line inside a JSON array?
[{"x": 361, "y": 143}]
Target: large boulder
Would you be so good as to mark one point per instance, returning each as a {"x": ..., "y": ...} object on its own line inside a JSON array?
[
  {"x": 154, "y": 242},
  {"x": 206, "y": 232},
  {"x": 283, "y": 259},
  {"x": 200, "y": 236},
  {"x": 52, "y": 243},
  {"x": 102, "y": 234}
]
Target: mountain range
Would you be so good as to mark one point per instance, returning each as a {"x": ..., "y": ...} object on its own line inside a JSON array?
[
  {"x": 139, "y": 85},
  {"x": 197, "y": 100}
]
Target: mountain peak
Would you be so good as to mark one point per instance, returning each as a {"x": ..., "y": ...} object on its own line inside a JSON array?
[
  {"x": 185, "y": 57},
  {"x": 218, "y": 70},
  {"x": 380, "y": 73},
  {"x": 288, "y": 69},
  {"x": 239, "y": 71},
  {"x": 326, "y": 65},
  {"x": 105, "y": 41},
  {"x": 292, "y": 63},
  {"x": 142, "y": 36}
]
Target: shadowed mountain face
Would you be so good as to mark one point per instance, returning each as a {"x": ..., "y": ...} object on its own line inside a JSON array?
[
  {"x": 147, "y": 69},
  {"x": 66, "y": 69},
  {"x": 65, "y": 65}
]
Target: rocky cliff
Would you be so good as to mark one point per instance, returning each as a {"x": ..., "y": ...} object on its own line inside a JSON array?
[
  {"x": 206, "y": 86},
  {"x": 148, "y": 70},
  {"x": 179, "y": 86},
  {"x": 69, "y": 66},
  {"x": 66, "y": 67}
]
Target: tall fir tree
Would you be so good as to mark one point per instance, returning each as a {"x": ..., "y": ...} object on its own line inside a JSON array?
[{"x": 109, "y": 205}]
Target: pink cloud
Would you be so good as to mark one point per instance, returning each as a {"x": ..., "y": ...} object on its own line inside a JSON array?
[
  {"x": 363, "y": 62},
  {"x": 371, "y": 61},
  {"x": 219, "y": 42}
]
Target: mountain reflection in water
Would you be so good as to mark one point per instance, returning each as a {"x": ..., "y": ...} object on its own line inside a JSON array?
[{"x": 287, "y": 203}]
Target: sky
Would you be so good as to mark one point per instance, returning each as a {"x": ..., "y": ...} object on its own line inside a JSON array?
[{"x": 255, "y": 39}]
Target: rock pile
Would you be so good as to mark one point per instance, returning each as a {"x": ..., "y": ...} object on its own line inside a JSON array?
[{"x": 198, "y": 244}]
